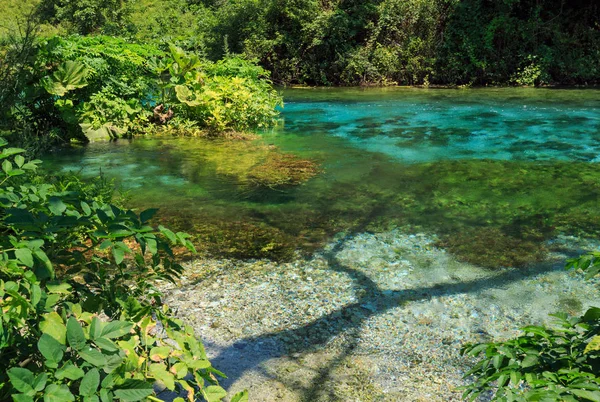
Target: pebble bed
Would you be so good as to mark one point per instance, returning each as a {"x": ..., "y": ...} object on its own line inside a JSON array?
[{"x": 372, "y": 317}]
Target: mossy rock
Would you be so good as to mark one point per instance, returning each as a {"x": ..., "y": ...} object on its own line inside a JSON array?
[
  {"x": 492, "y": 248},
  {"x": 280, "y": 170}
]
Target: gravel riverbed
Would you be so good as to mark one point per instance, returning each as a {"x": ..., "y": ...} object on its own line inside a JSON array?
[{"x": 372, "y": 317}]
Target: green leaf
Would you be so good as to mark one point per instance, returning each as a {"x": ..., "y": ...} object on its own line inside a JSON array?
[
  {"x": 529, "y": 361},
  {"x": 22, "y": 398},
  {"x": 115, "y": 329},
  {"x": 147, "y": 214},
  {"x": 86, "y": 208},
  {"x": 168, "y": 234},
  {"x": 69, "y": 76},
  {"x": 56, "y": 206},
  {"x": 53, "y": 325},
  {"x": 36, "y": 294},
  {"x": 6, "y": 166},
  {"x": 133, "y": 390},
  {"x": 96, "y": 328},
  {"x": 240, "y": 396},
  {"x": 160, "y": 373},
  {"x": 592, "y": 314},
  {"x": 89, "y": 383},
  {"x": 49, "y": 270},
  {"x": 106, "y": 395},
  {"x": 58, "y": 393},
  {"x": 40, "y": 382},
  {"x": 214, "y": 393},
  {"x": 119, "y": 250},
  {"x": 62, "y": 288},
  {"x": 106, "y": 344},
  {"x": 6, "y": 152},
  {"x": 93, "y": 356},
  {"x": 19, "y": 160},
  {"x": 51, "y": 349},
  {"x": 75, "y": 334},
  {"x": 69, "y": 371},
  {"x": 21, "y": 379},
  {"x": 587, "y": 395},
  {"x": 24, "y": 256}
]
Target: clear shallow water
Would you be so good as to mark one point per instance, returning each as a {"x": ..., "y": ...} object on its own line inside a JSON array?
[{"x": 494, "y": 173}]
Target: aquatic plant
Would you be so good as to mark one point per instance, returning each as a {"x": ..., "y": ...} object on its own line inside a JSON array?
[{"x": 280, "y": 170}]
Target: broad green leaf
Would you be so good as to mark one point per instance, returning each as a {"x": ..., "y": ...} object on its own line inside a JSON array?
[
  {"x": 91, "y": 398},
  {"x": 69, "y": 76},
  {"x": 69, "y": 371},
  {"x": 168, "y": 233},
  {"x": 96, "y": 328},
  {"x": 133, "y": 390},
  {"x": 21, "y": 379},
  {"x": 59, "y": 288},
  {"x": 586, "y": 395},
  {"x": 19, "y": 160},
  {"x": 6, "y": 152},
  {"x": 36, "y": 294},
  {"x": 106, "y": 395},
  {"x": 48, "y": 272},
  {"x": 115, "y": 329},
  {"x": 58, "y": 393},
  {"x": 86, "y": 208},
  {"x": 592, "y": 314},
  {"x": 92, "y": 356},
  {"x": 89, "y": 382},
  {"x": 75, "y": 334},
  {"x": 24, "y": 256},
  {"x": 106, "y": 344},
  {"x": 40, "y": 382},
  {"x": 56, "y": 206},
  {"x": 160, "y": 373},
  {"x": 7, "y": 166},
  {"x": 22, "y": 398},
  {"x": 51, "y": 349},
  {"x": 119, "y": 250},
  {"x": 529, "y": 361},
  {"x": 147, "y": 214},
  {"x": 214, "y": 393}
]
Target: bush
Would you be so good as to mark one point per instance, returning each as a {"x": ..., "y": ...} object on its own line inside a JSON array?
[
  {"x": 81, "y": 318},
  {"x": 559, "y": 363},
  {"x": 86, "y": 88}
]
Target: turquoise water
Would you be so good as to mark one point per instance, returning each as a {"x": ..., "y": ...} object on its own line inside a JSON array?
[{"x": 495, "y": 174}]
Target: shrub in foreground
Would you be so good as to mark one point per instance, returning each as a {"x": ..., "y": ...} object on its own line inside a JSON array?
[{"x": 81, "y": 318}]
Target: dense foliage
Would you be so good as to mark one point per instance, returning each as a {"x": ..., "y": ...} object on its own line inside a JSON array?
[
  {"x": 87, "y": 87},
  {"x": 81, "y": 317},
  {"x": 559, "y": 363},
  {"x": 480, "y": 42}
]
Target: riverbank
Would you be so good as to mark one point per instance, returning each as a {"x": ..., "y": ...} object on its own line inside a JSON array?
[{"x": 370, "y": 317}]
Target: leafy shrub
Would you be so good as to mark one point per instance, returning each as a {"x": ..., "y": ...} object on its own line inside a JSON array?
[
  {"x": 81, "y": 318},
  {"x": 545, "y": 363},
  {"x": 88, "y": 88},
  {"x": 228, "y": 95}
]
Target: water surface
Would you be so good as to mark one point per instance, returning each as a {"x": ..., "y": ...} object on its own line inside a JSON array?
[{"x": 494, "y": 174}]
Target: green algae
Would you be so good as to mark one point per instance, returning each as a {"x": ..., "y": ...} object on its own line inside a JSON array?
[{"x": 491, "y": 181}]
